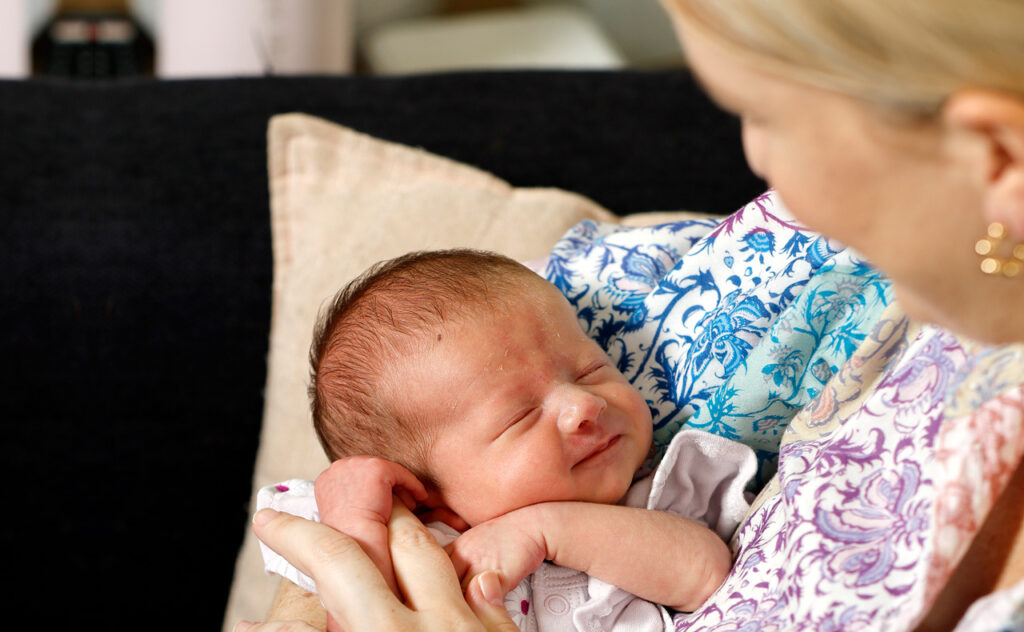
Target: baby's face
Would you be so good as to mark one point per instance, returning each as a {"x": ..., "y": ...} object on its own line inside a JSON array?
[{"x": 528, "y": 408}]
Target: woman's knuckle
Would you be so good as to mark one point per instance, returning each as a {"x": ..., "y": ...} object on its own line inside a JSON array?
[
  {"x": 414, "y": 536},
  {"x": 464, "y": 625},
  {"x": 330, "y": 548}
]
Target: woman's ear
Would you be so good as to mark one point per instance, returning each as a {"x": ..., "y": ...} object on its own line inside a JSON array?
[{"x": 996, "y": 119}]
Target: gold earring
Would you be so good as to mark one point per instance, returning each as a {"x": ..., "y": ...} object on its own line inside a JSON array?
[{"x": 995, "y": 263}]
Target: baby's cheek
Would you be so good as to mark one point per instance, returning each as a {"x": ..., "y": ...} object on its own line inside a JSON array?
[
  {"x": 486, "y": 502},
  {"x": 528, "y": 485}
]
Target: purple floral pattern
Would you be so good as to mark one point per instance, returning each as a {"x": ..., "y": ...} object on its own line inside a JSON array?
[
  {"x": 895, "y": 438},
  {"x": 846, "y": 536}
]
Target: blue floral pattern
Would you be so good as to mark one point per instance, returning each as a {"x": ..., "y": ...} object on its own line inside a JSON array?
[
  {"x": 727, "y": 326},
  {"x": 874, "y": 435}
]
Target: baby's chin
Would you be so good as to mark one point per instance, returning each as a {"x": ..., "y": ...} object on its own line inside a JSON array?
[{"x": 612, "y": 494}]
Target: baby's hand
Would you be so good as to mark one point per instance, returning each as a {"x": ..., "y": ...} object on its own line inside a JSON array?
[
  {"x": 354, "y": 496},
  {"x": 360, "y": 488},
  {"x": 510, "y": 544}
]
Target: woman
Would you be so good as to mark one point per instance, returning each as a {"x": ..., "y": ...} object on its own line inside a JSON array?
[{"x": 895, "y": 127}]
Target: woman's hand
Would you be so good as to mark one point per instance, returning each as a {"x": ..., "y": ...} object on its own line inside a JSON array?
[
  {"x": 355, "y": 593},
  {"x": 355, "y": 495}
]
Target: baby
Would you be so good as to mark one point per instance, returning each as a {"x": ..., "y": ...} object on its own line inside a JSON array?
[{"x": 462, "y": 382}]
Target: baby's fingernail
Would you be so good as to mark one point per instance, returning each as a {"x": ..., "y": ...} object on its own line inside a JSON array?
[
  {"x": 263, "y": 516},
  {"x": 490, "y": 588},
  {"x": 242, "y": 626}
]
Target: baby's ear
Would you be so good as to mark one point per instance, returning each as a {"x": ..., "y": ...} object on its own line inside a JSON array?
[{"x": 434, "y": 509}]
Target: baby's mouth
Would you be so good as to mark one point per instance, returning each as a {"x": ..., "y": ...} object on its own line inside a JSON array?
[{"x": 599, "y": 450}]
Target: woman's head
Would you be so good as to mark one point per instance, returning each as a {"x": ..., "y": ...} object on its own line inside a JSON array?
[
  {"x": 895, "y": 126},
  {"x": 902, "y": 53}
]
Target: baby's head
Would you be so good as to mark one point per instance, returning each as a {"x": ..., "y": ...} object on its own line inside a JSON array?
[{"x": 473, "y": 372}]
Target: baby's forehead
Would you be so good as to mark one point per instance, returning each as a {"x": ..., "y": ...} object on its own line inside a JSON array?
[
  {"x": 539, "y": 303},
  {"x": 528, "y": 303},
  {"x": 514, "y": 296}
]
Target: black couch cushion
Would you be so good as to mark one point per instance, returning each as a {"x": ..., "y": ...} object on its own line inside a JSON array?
[{"x": 135, "y": 249}]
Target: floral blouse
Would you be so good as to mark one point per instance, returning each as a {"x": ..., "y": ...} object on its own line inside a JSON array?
[{"x": 881, "y": 444}]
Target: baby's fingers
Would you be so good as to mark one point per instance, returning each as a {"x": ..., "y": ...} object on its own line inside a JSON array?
[
  {"x": 491, "y": 584},
  {"x": 405, "y": 496},
  {"x": 487, "y": 599},
  {"x": 405, "y": 481},
  {"x": 445, "y": 515}
]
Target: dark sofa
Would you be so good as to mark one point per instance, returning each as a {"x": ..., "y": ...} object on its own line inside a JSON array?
[{"x": 135, "y": 305}]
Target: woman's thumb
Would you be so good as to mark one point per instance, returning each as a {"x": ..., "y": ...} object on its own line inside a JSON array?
[{"x": 487, "y": 599}]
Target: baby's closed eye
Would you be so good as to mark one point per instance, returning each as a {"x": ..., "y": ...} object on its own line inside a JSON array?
[
  {"x": 519, "y": 420},
  {"x": 593, "y": 372}
]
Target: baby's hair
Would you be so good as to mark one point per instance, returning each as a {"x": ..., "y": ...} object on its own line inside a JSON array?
[{"x": 372, "y": 323}]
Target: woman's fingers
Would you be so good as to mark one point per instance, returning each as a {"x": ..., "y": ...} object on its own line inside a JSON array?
[
  {"x": 428, "y": 581},
  {"x": 424, "y": 572},
  {"x": 349, "y": 583},
  {"x": 354, "y": 591}
]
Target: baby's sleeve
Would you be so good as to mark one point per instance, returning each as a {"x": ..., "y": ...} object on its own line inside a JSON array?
[
  {"x": 703, "y": 477},
  {"x": 296, "y": 497}
]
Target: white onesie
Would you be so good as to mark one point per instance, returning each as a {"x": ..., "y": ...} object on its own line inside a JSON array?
[{"x": 701, "y": 477}]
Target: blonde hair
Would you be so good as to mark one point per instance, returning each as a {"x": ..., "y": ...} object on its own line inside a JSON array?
[{"x": 906, "y": 54}]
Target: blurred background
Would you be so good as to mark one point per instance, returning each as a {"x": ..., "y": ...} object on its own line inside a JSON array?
[{"x": 111, "y": 39}]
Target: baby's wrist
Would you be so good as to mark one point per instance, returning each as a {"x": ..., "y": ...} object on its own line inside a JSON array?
[
  {"x": 542, "y": 522},
  {"x": 530, "y": 516}
]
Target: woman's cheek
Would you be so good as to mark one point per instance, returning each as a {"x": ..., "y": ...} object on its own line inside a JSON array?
[{"x": 755, "y": 147}]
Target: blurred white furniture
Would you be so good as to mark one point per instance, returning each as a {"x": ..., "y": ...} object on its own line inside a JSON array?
[
  {"x": 532, "y": 36},
  {"x": 250, "y": 37},
  {"x": 640, "y": 29}
]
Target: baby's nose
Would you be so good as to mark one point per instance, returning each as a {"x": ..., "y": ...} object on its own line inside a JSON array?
[{"x": 579, "y": 408}]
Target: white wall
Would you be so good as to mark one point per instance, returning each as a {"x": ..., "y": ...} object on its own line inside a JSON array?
[
  {"x": 14, "y": 40},
  {"x": 197, "y": 38},
  {"x": 212, "y": 37},
  {"x": 638, "y": 28}
]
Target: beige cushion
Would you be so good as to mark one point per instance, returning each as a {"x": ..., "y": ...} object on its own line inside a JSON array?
[{"x": 340, "y": 201}]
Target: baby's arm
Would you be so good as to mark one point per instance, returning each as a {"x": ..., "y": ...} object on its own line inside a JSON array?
[
  {"x": 655, "y": 555},
  {"x": 354, "y": 496}
]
